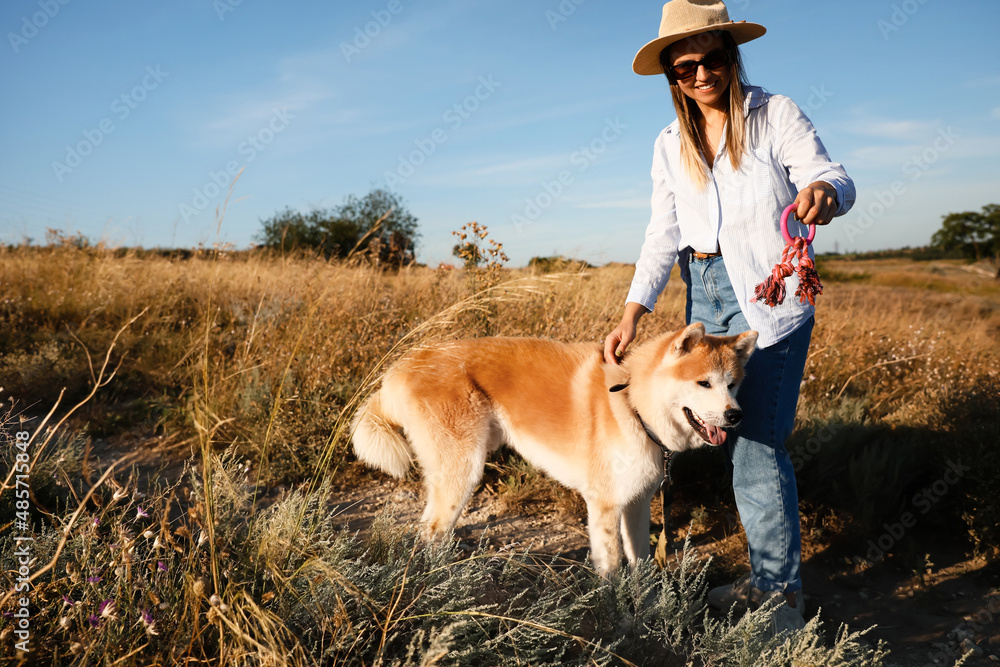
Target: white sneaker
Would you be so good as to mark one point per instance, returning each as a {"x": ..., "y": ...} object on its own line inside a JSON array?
[
  {"x": 739, "y": 593},
  {"x": 785, "y": 618},
  {"x": 747, "y": 597}
]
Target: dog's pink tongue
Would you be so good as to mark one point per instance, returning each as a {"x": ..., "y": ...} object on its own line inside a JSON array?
[{"x": 715, "y": 434}]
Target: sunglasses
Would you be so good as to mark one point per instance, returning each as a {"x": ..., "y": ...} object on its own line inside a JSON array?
[{"x": 685, "y": 70}]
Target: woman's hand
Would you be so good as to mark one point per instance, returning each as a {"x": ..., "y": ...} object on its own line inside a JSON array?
[
  {"x": 624, "y": 333},
  {"x": 816, "y": 203}
]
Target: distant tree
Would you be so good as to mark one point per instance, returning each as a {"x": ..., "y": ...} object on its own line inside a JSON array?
[
  {"x": 286, "y": 230},
  {"x": 992, "y": 214},
  {"x": 377, "y": 225},
  {"x": 965, "y": 231},
  {"x": 558, "y": 264}
]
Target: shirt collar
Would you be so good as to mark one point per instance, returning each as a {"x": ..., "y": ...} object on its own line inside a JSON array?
[{"x": 754, "y": 97}]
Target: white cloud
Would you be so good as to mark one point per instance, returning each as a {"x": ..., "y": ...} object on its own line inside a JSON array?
[
  {"x": 530, "y": 170},
  {"x": 895, "y": 157},
  {"x": 640, "y": 203},
  {"x": 529, "y": 165},
  {"x": 249, "y": 111},
  {"x": 980, "y": 81},
  {"x": 899, "y": 129},
  {"x": 881, "y": 156},
  {"x": 542, "y": 109}
]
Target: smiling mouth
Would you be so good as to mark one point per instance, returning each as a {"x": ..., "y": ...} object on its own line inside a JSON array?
[
  {"x": 713, "y": 435},
  {"x": 707, "y": 87}
]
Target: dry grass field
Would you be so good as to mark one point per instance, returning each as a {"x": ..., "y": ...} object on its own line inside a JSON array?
[{"x": 193, "y": 498}]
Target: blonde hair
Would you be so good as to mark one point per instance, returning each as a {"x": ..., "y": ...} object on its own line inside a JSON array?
[{"x": 687, "y": 114}]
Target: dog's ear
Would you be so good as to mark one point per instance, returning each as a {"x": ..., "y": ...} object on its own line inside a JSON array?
[
  {"x": 688, "y": 338},
  {"x": 744, "y": 345}
]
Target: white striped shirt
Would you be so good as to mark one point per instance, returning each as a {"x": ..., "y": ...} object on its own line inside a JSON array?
[{"x": 739, "y": 212}]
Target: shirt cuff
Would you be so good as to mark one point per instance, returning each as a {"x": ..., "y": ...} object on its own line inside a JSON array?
[
  {"x": 642, "y": 295},
  {"x": 841, "y": 200}
]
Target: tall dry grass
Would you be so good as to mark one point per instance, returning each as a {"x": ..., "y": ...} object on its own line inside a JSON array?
[
  {"x": 264, "y": 357},
  {"x": 260, "y": 349},
  {"x": 270, "y": 349}
]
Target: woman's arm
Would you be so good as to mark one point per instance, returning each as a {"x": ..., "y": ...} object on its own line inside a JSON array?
[
  {"x": 659, "y": 246},
  {"x": 624, "y": 333},
  {"x": 656, "y": 259},
  {"x": 825, "y": 189}
]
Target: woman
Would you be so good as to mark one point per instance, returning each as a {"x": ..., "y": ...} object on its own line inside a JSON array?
[{"x": 722, "y": 174}]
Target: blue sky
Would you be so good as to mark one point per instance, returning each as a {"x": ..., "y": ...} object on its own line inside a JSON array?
[{"x": 120, "y": 118}]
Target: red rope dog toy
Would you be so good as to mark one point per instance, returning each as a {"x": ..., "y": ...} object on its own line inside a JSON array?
[{"x": 772, "y": 290}]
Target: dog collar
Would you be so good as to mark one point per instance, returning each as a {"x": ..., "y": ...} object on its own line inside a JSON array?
[
  {"x": 667, "y": 483},
  {"x": 652, "y": 436},
  {"x": 645, "y": 427}
]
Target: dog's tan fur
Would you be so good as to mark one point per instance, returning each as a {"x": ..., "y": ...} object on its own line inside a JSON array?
[{"x": 448, "y": 406}]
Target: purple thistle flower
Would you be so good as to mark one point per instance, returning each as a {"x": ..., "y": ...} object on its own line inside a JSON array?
[
  {"x": 149, "y": 623},
  {"x": 160, "y": 566},
  {"x": 140, "y": 513},
  {"x": 93, "y": 620},
  {"x": 94, "y": 579},
  {"x": 97, "y": 522},
  {"x": 67, "y": 600}
]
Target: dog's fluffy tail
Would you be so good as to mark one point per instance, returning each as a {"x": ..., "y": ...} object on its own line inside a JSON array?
[{"x": 378, "y": 440}]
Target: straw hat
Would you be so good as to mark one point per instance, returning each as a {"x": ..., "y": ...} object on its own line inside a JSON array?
[{"x": 683, "y": 18}]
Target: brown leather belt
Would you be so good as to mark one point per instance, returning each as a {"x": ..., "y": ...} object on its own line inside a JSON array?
[{"x": 705, "y": 255}]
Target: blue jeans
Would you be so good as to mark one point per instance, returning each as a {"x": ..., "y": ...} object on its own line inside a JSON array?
[{"x": 763, "y": 475}]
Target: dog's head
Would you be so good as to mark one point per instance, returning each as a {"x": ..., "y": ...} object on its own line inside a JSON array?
[{"x": 683, "y": 384}]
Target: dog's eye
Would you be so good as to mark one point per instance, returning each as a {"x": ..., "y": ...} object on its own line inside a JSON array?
[{"x": 705, "y": 383}]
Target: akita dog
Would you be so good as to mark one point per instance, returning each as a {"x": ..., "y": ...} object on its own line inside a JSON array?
[{"x": 589, "y": 424}]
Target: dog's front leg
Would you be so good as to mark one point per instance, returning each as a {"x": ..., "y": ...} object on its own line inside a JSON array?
[
  {"x": 603, "y": 522},
  {"x": 635, "y": 530}
]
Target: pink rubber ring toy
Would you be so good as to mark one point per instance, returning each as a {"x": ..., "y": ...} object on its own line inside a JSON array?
[{"x": 784, "y": 227}]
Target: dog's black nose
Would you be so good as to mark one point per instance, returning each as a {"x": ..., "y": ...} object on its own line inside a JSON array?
[{"x": 734, "y": 416}]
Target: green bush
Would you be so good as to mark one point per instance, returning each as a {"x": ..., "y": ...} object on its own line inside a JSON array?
[{"x": 378, "y": 224}]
